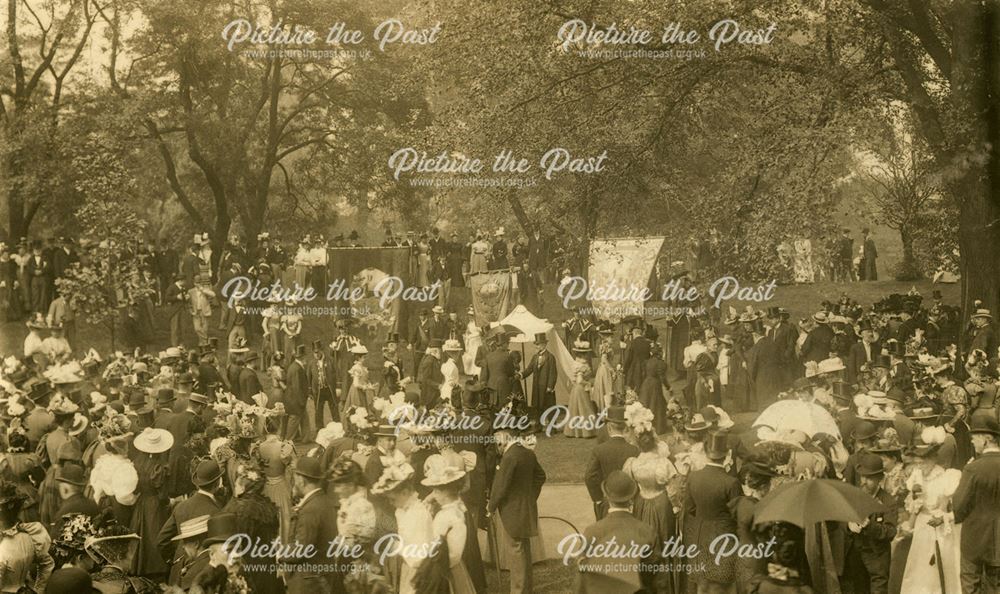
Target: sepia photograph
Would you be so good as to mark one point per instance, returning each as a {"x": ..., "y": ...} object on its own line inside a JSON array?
[{"x": 467, "y": 297}]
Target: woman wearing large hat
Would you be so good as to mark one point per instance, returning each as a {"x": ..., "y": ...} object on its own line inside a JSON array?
[
  {"x": 582, "y": 412},
  {"x": 361, "y": 391},
  {"x": 24, "y": 546},
  {"x": 449, "y": 524},
  {"x": 935, "y": 554},
  {"x": 954, "y": 409},
  {"x": 152, "y": 505}
]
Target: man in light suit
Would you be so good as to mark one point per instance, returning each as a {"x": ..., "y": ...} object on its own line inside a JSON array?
[
  {"x": 608, "y": 457},
  {"x": 514, "y": 495},
  {"x": 614, "y": 574},
  {"x": 543, "y": 366}
]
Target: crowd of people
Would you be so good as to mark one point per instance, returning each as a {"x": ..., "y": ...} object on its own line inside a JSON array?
[{"x": 138, "y": 470}]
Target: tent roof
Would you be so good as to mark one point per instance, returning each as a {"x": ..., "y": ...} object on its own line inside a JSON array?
[{"x": 527, "y": 322}]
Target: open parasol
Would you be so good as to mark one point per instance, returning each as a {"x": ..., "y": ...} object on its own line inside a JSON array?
[
  {"x": 804, "y": 503},
  {"x": 502, "y": 329},
  {"x": 810, "y": 418}
]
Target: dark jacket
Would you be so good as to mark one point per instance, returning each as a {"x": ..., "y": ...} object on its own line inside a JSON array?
[
  {"x": 516, "y": 486},
  {"x": 817, "y": 344},
  {"x": 614, "y": 574},
  {"x": 977, "y": 508},
  {"x": 498, "y": 373},
  {"x": 543, "y": 367},
  {"x": 605, "y": 458},
  {"x": 857, "y": 357},
  {"x": 430, "y": 378},
  {"x": 314, "y": 522},
  {"x": 196, "y": 505}
]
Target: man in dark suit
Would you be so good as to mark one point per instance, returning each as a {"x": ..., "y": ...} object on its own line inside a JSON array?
[
  {"x": 784, "y": 335},
  {"x": 977, "y": 508},
  {"x": 634, "y": 359},
  {"x": 608, "y": 457},
  {"x": 869, "y": 543},
  {"x": 313, "y": 524},
  {"x": 248, "y": 381},
  {"x": 498, "y": 372},
  {"x": 322, "y": 383},
  {"x": 710, "y": 489},
  {"x": 617, "y": 574},
  {"x": 207, "y": 478},
  {"x": 297, "y": 397},
  {"x": 342, "y": 359},
  {"x": 862, "y": 352},
  {"x": 869, "y": 256},
  {"x": 439, "y": 327},
  {"x": 39, "y": 273},
  {"x": 538, "y": 255},
  {"x": 71, "y": 480},
  {"x": 420, "y": 335},
  {"x": 844, "y": 268},
  {"x": 165, "y": 417},
  {"x": 981, "y": 336},
  {"x": 543, "y": 366},
  {"x": 514, "y": 495},
  {"x": 429, "y": 374},
  {"x": 817, "y": 344}
]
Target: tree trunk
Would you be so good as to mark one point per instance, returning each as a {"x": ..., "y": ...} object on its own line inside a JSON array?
[
  {"x": 908, "y": 268},
  {"x": 17, "y": 223}
]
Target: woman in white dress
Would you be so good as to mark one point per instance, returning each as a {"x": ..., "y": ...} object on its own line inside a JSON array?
[
  {"x": 473, "y": 340},
  {"x": 581, "y": 408},
  {"x": 449, "y": 523},
  {"x": 451, "y": 372},
  {"x": 361, "y": 391},
  {"x": 604, "y": 386},
  {"x": 931, "y": 521},
  {"x": 803, "y": 261},
  {"x": 480, "y": 251}
]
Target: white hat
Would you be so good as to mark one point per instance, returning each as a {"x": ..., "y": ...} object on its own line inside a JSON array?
[
  {"x": 452, "y": 345},
  {"x": 437, "y": 471},
  {"x": 359, "y": 349},
  {"x": 154, "y": 441}
]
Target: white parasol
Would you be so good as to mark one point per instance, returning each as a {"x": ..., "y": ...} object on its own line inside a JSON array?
[{"x": 810, "y": 418}]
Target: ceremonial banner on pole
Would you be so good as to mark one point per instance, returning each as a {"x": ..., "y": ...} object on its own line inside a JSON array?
[
  {"x": 619, "y": 269},
  {"x": 381, "y": 273},
  {"x": 490, "y": 295}
]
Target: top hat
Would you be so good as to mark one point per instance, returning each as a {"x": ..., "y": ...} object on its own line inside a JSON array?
[
  {"x": 717, "y": 446},
  {"x": 616, "y": 414},
  {"x": 773, "y": 312},
  {"x": 310, "y": 467},
  {"x": 843, "y": 391},
  {"x": 317, "y": 346},
  {"x": 221, "y": 527},
  {"x": 881, "y": 360},
  {"x": 870, "y": 465},
  {"x": 393, "y": 337},
  {"x": 206, "y": 473},
  {"x": 300, "y": 350},
  {"x": 541, "y": 337},
  {"x": 619, "y": 487},
  {"x": 386, "y": 431},
  {"x": 435, "y": 343}
]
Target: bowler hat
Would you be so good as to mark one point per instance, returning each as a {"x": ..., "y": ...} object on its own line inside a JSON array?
[
  {"x": 72, "y": 474},
  {"x": 310, "y": 467},
  {"x": 984, "y": 423},
  {"x": 70, "y": 580},
  {"x": 619, "y": 487},
  {"x": 870, "y": 465},
  {"x": 206, "y": 473},
  {"x": 165, "y": 396},
  {"x": 616, "y": 414},
  {"x": 864, "y": 430},
  {"x": 221, "y": 527}
]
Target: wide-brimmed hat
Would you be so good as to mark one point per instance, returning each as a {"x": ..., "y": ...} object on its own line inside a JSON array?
[
  {"x": 192, "y": 527},
  {"x": 886, "y": 445},
  {"x": 80, "y": 423},
  {"x": 437, "y": 309},
  {"x": 206, "y": 473},
  {"x": 37, "y": 322},
  {"x": 154, "y": 441},
  {"x": 72, "y": 474},
  {"x": 831, "y": 365},
  {"x": 221, "y": 527},
  {"x": 452, "y": 345},
  {"x": 359, "y": 349},
  {"x": 392, "y": 477},
  {"x": 239, "y": 345},
  {"x": 345, "y": 470},
  {"x": 438, "y": 471},
  {"x": 820, "y": 317},
  {"x": 198, "y": 398},
  {"x": 982, "y": 313},
  {"x": 310, "y": 467},
  {"x": 581, "y": 346},
  {"x": 923, "y": 448},
  {"x": 924, "y": 413}
]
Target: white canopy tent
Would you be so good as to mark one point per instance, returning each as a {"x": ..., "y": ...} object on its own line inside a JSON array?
[{"x": 529, "y": 325}]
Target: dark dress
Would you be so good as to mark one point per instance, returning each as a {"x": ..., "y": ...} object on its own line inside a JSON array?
[
  {"x": 651, "y": 393},
  {"x": 150, "y": 512},
  {"x": 257, "y": 517}
]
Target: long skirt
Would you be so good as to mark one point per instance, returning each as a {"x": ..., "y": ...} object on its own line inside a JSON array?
[
  {"x": 581, "y": 413},
  {"x": 651, "y": 396},
  {"x": 658, "y": 513},
  {"x": 277, "y": 490},
  {"x": 923, "y": 571}
]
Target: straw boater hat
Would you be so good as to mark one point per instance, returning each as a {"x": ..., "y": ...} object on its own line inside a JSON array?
[
  {"x": 193, "y": 527},
  {"x": 359, "y": 349},
  {"x": 820, "y": 317},
  {"x": 697, "y": 424},
  {"x": 922, "y": 414},
  {"x": 983, "y": 313},
  {"x": 437, "y": 472},
  {"x": 437, "y": 309},
  {"x": 154, "y": 441},
  {"x": 452, "y": 345},
  {"x": 581, "y": 346}
]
